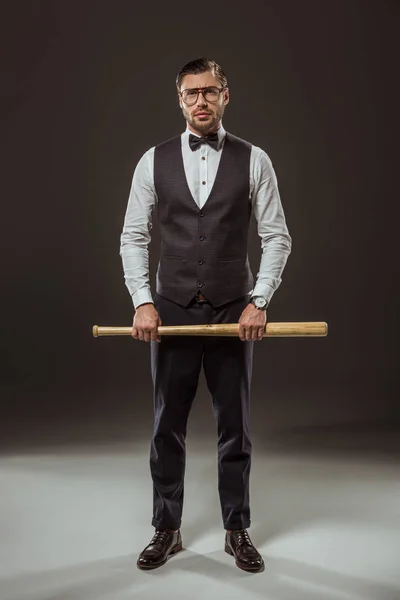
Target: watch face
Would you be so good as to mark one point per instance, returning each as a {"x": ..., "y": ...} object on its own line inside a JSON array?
[{"x": 260, "y": 302}]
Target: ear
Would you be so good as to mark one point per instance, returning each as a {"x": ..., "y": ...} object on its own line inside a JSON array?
[
  {"x": 179, "y": 100},
  {"x": 226, "y": 96}
]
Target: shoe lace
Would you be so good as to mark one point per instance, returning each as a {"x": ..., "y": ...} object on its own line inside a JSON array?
[
  {"x": 242, "y": 537},
  {"x": 160, "y": 537}
]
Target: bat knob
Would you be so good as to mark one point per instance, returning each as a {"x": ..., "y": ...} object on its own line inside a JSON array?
[{"x": 95, "y": 330}]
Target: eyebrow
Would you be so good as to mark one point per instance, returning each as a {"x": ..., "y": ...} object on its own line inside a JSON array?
[{"x": 200, "y": 88}]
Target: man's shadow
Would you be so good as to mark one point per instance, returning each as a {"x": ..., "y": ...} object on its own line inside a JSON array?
[{"x": 283, "y": 579}]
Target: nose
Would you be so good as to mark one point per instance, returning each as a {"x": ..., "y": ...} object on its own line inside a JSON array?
[{"x": 201, "y": 101}]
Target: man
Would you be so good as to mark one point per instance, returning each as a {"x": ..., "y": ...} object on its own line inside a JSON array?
[{"x": 202, "y": 186}]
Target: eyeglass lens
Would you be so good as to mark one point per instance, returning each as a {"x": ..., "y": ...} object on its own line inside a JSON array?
[{"x": 210, "y": 94}]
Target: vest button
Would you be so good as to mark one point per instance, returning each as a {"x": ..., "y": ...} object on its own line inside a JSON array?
[
  {"x": 202, "y": 237},
  {"x": 200, "y": 262},
  {"x": 201, "y": 214},
  {"x": 200, "y": 284}
]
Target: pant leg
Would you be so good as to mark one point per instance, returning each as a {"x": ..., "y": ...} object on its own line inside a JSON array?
[
  {"x": 228, "y": 367},
  {"x": 176, "y": 363}
]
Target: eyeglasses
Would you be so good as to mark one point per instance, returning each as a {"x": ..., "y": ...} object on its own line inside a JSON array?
[{"x": 210, "y": 94}]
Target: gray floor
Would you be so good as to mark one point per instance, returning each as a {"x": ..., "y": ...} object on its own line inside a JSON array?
[{"x": 74, "y": 519}]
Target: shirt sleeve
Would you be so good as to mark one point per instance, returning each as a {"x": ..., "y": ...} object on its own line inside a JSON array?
[
  {"x": 276, "y": 243},
  {"x": 136, "y": 232}
]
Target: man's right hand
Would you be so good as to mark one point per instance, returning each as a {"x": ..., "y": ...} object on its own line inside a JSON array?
[{"x": 145, "y": 323}]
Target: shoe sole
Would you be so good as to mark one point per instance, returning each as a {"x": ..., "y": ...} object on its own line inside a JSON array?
[
  {"x": 229, "y": 551},
  {"x": 173, "y": 550}
]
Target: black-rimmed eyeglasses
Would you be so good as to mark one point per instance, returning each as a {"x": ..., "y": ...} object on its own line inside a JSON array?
[{"x": 210, "y": 94}]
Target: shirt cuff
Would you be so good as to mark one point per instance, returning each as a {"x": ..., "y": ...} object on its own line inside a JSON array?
[
  {"x": 142, "y": 296},
  {"x": 266, "y": 291}
]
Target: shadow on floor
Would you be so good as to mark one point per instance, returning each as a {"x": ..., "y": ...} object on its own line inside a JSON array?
[{"x": 119, "y": 577}]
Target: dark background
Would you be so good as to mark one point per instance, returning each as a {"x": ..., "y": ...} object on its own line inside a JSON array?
[{"x": 88, "y": 87}]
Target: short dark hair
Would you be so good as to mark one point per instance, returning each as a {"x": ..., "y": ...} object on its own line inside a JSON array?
[{"x": 201, "y": 65}]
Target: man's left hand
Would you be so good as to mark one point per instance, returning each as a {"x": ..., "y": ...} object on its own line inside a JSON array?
[{"x": 252, "y": 323}]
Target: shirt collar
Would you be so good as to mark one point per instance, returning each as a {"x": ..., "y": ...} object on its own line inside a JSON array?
[{"x": 221, "y": 135}]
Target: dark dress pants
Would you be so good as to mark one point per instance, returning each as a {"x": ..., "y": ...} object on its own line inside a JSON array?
[{"x": 176, "y": 362}]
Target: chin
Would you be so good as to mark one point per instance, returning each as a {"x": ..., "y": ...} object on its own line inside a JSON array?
[
  {"x": 206, "y": 121},
  {"x": 201, "y": 125},
  {"x": 202, "y": 121}
]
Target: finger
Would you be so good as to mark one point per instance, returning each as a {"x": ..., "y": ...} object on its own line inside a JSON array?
[
  {"x": 248, "y": 333},
  {"x": 159, "y": 325},
  {"x": 141, "y": 335},
  {"x": 242, "y": 333},
  {"x": 153, "y": 335},
  {"x": 147, "y": 336},
  {"x": 135, "y": 333},
  {"x": 261, "y": 333}
]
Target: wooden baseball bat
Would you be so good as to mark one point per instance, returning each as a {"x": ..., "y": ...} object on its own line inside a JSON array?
[{"x": 301, "y": 329}]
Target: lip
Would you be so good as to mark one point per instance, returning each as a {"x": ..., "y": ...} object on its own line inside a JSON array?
[{"x": 201, "y": 114}]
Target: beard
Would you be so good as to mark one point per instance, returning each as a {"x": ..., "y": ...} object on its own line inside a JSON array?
[{"x": 204, "y": 125}]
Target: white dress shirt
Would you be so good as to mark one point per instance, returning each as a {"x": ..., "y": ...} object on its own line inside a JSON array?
[{"x": 201, "y": 165}]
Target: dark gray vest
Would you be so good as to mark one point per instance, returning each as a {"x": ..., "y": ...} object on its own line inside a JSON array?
[{"x": 203, "y": 249}]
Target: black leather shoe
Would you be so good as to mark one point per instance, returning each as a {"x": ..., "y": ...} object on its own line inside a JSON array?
[
  {"x": 239, "y": 545},
  {"x": 163, "y": 543}
]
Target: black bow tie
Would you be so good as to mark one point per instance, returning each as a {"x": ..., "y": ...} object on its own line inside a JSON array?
[{"x": 195, "y": 142}]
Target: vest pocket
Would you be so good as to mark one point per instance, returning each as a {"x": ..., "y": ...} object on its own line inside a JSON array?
[
  {"x": 174, "y": 257},
  {"x": 231, "y": 259}
]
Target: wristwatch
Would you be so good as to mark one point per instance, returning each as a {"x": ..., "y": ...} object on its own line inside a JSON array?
[{"x": 259, "y": 302}]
